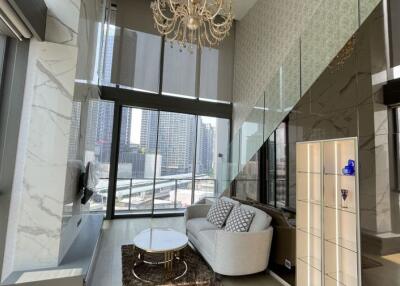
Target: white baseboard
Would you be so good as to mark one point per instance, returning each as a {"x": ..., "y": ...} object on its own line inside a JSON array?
[{"x": 277, "y": 278}]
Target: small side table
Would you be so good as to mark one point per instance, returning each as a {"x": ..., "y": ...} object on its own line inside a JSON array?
[{"x": 161, "y": 241}]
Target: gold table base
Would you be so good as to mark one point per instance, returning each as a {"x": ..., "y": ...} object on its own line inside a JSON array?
[{"x": 171, "y": 258}]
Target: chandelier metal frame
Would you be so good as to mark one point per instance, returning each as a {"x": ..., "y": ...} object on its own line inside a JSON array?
[{"x": 193, "y": 22}]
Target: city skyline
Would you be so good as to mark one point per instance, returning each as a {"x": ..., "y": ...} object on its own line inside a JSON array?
[{"x": 176, "y": 135}]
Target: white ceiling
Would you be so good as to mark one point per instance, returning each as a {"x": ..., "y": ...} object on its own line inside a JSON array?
[{"x": 241, "y": 7}]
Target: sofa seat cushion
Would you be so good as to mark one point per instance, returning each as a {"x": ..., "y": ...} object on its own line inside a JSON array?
[
  {"x": 261, "y": 219},
  {"x": 195, "y": 225},
  {"x": 207, "y": 240}
]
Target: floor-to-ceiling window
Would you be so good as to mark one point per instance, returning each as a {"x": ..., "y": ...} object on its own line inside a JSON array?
[
  {"x": 167, "y": 161},
  {"x": 172, "y": 105},
  {"x": 281, "y": 165},
  {"x": 136, "y": 160},
  {"x": 175, "y": 151}
]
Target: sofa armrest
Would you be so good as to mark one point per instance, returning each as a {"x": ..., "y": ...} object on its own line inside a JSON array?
[
  {"x": 196, "y": 211},
  {"x": 242, "y": 253}
]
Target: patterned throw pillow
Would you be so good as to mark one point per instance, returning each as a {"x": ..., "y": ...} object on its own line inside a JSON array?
[
  {"x": 219, "y": 212},
  {"x": 239, "y": 220}
]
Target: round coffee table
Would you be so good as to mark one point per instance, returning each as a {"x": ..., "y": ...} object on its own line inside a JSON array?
[{"x": 161, "y": 241}]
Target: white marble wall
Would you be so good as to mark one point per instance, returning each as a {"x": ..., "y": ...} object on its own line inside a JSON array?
[
  {"x": 34, "y": 234},
  {"x": 63, "y": 21},
  {"x": 40, "y": 185},
  {"x": 89, "y": 48}
]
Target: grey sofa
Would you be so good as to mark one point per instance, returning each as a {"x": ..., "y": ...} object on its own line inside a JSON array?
[{"x": 230, "y": 253}]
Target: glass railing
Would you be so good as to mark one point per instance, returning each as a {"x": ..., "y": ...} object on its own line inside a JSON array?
[
  {"x": 332, "y": 24},
  {"x": 136, "y": 195}
]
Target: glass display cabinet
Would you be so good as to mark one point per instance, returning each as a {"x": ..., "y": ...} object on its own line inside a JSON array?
[{"x": 328, "y": 245}]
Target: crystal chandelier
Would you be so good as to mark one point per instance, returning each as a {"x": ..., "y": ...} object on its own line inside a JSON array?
[{"x": 193, "y": 22}]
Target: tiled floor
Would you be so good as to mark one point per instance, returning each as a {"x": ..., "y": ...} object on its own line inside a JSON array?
[
  {"x": 388, "y": 274},
  {"x": 107, "y": 270}
]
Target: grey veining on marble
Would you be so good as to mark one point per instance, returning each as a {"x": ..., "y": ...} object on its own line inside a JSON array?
[
  {"x": 89, "y": 49},
  {"x": 71, "y": 216},
  {"x": 46, "y": 207},
  {"x": 38, "y": 189},
  {"x": 62, "y": 21},
  {"x": 52, "y": 71}
]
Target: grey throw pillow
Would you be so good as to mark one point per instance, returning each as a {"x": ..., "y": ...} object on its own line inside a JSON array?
[
  {"x": 219, "y": 212},
  {"x": 239, "y": 220}
]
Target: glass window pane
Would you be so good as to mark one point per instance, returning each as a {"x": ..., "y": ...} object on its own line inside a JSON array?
[
  {"x": 247, "y": 181},
  {"x": 281, "y": 179},
  {"x": 179, "y": 76},
  {"x": 136, "y": 160},
  {"x": 271, "y": 169},
  {"x": 139, "y": 61},
  {"x": 98, "y": 137},
  {"x": 175, "y": 155},
  {"x": 209, "y": 73},
  {"x": 132, "y": 48},
  {"x": 216, "y": 72},
  {"x": 212, "y": 146},
  {"x": 109, "y": 38}
]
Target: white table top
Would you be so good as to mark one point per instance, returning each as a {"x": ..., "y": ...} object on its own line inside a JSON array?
[{"x": 160, "y": 240}]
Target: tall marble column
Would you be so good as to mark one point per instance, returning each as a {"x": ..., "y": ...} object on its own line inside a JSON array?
[{"x": 34, "y": 233}]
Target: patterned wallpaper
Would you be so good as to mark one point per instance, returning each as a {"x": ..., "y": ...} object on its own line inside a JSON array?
[{"x": 268, "y": 33}]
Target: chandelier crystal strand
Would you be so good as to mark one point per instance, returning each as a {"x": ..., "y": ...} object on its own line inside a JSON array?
[{"x": 193, "y": 22}]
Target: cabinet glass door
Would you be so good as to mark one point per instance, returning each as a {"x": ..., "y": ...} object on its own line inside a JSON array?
[
  {"x": 308, "y": 215},
  {"x": 340, "y": 215}
]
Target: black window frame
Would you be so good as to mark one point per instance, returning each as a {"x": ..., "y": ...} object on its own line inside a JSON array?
[{"x": 264, "y": 187}]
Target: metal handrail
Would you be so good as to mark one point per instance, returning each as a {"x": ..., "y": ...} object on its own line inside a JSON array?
[{"x": 176, "y": 183}]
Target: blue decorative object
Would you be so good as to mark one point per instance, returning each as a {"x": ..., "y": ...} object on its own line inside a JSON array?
[{"x": 350, "y": 168}]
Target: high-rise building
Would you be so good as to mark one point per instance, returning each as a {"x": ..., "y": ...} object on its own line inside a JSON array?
[
  {"x": 148, "y": 131},
  {"x": 103, "y": 130},
  {"x": 74, "y": 131},
  {"x": 126, "y": 125},
  {"x": 205, "y": 148},
  {"x": 175, "y": 135}
]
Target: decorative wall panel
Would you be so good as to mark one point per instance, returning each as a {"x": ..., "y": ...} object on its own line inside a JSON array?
[
  {"x": 264, "y": 37},
  {"x": 366, "y": 7},
  {"x": 62, "y": 21},
  {"x": 330, "y": 28}
]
